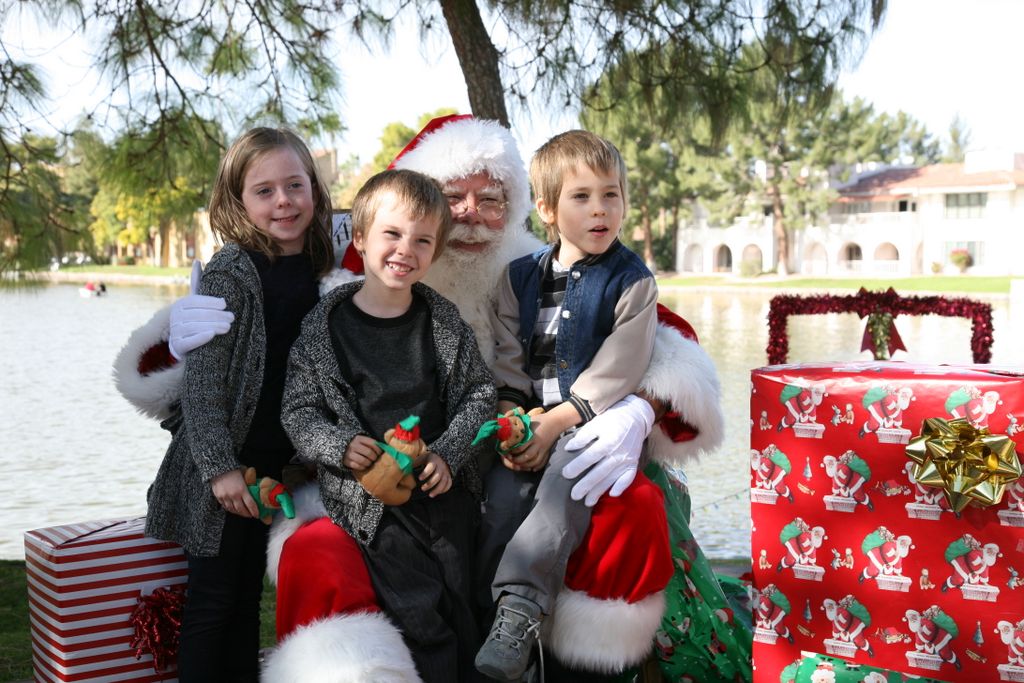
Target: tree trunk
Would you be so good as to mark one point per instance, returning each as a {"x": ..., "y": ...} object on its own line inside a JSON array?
[
  {"x": 478, "y": 58},
  {"x": 164, "y": 257},
  {"x": 645, "y": 228},
  {"x": 779, "y": 231}
]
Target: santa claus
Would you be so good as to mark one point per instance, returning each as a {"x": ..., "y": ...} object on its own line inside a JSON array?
[{"x": 328, "y": 623}]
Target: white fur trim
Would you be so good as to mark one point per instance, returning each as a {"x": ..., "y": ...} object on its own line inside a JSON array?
[
  {"x": 155, "y": 393},
  {"x": 308, "y": 506},
  {"x": 349, "y": 648},
  {"x": 683, "y": 374},
  {"x": 467, "y": 146},
  {"x": 336, "y": 278},
  {"x": 602, "y": 635}
]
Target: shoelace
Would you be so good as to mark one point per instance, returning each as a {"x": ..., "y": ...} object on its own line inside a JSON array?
[{"x": 502, "y": 634}]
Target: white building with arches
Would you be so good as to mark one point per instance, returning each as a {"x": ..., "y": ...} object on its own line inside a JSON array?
[{"x": 894, "y": 221}]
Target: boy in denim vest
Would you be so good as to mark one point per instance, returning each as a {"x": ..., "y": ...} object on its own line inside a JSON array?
[{"x": 574, "y": 324}]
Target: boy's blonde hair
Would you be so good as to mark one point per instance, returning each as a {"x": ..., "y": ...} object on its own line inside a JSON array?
[
  {"x": 562, "y": 155},
  {"x": 228, "y": 217},
  {"x": 420, "y": 195}
]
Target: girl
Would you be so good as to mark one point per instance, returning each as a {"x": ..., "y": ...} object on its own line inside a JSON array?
[{"x": 272, "y": 211}]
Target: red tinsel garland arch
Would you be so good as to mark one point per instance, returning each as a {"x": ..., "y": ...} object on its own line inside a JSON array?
[{"x": 864, "y": 303}]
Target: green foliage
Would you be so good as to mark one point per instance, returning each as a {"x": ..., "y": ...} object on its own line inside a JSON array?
[
  {"x": 393, "y": 138},
  {"x": 961, "y": 258},
  {"x": 959, "y": 141}
]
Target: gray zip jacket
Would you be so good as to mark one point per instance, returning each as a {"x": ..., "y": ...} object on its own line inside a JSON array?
[
  {"x": 318, "y": 407},
  {"x": 221, "y": 387}
]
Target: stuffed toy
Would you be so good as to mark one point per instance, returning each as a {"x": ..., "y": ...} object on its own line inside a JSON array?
[
  {"x": 512, "y": 430},
  {"x": 390, "y": 479},
  {"x": 270, "y": 495}
]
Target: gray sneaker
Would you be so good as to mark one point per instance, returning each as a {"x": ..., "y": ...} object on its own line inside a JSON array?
[{"x": 505, "y": 654}]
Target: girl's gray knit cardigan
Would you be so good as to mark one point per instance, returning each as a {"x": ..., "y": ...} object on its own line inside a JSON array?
[
  {"x": 318, "y": 407},
  {"x": 222, "y": 384}
]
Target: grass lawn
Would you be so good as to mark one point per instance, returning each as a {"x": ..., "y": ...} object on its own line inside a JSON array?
[
  {"x": 952, "y": 284},
  {"x": 15, "y": 642},
  {"x": 15, "y": 639}
]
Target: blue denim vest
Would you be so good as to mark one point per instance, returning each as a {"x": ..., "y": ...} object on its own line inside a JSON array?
[{"x": 592, "y": 291}]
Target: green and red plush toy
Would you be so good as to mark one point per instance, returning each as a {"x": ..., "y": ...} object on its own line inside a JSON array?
[
  {"x": 270, "y": 495},
  {"x": 390, "y": 479},
  {"x": 511, "y": 430}
]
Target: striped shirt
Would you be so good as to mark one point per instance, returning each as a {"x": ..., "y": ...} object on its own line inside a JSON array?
[{"x": 542, "y": 369}]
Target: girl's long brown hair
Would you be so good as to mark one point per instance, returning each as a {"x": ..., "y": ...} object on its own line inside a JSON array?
[{"x": 228, "y": 218}]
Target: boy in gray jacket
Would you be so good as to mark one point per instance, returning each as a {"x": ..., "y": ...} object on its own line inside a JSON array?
[{"x": 369, "y": 355}]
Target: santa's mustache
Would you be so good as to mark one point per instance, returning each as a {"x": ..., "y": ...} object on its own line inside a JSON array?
[{"x": 473, "y": 234}]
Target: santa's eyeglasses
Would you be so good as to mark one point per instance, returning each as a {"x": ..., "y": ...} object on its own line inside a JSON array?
[{"x": 487, "y": 208}]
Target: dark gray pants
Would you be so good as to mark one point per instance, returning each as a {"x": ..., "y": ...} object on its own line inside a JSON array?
[{"x": 420, "y": 564}]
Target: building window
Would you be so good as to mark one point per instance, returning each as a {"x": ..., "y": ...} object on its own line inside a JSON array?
[
  {"x": 852, "y": 207},
  {"x": 966, "y": 204}
]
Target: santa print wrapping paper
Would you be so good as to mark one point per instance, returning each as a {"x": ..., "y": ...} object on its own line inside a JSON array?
[
  {"x": 84, "y": 582},
  {"x": 852, "y": 557}
]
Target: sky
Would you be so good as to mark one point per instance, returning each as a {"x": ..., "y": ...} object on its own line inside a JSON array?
[{"x": 934, "y": 59}]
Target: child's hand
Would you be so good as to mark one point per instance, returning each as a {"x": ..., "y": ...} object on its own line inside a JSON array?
[
  {"x": 362, "y": 452},
  {"x": 436, "y": 475},
  {"x": 533, "y": 456},
  {"x": 233, "y": 495}
]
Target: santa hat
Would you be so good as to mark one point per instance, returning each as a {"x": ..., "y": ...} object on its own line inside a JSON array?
[{"x": 459, "y": 145}]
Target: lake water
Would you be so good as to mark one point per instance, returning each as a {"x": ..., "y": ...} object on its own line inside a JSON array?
[{"x": 71, "y": 449}]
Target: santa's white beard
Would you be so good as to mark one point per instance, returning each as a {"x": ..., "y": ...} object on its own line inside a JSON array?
[{"x": 469, "y": 279}]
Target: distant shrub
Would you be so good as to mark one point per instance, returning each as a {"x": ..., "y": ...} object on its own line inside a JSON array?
[
  {"x": 936, "y": 268},
  {"x": 750, "y": 267},
  {"x": 961, "y": 258}
]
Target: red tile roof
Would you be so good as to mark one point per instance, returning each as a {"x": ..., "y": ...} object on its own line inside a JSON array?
[{"x": 899, "y": 182}]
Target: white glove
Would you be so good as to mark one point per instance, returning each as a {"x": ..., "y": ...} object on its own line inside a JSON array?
[
  {"x": 612, "y": 441},
  {"x": 196, "y": 318}
]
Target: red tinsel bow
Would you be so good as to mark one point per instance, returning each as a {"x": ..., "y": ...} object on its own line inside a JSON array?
[
  {"x": 157, "y": 623},
  {"x": 895, "y": 342}
]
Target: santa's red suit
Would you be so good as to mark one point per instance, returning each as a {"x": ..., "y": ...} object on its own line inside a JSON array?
[
  {"x": 849, "y": 483},
  {"x": 850, "y": 628},
  {"x": 1015, "y": 496},
  {"x": 934, "y": 640},
  {"x": 800, "y": 550},
  {"x": 970, "y": 568},
  {"x": 801, "y": 407},
  {"x": 769, "y": 616},
  {"x": 884, "y": 413},
  {"x": 329, "y": 625},
  {"x": 884, "y": 559},
  {"x": 1013, "y": 636},
  {"x": 770, "y": 477}
]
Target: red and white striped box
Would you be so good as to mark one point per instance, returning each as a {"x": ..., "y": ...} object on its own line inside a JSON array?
[{"x": 84, "y": 581}]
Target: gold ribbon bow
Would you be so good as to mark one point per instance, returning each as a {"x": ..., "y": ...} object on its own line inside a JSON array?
[{"x": 967, "y": 463}]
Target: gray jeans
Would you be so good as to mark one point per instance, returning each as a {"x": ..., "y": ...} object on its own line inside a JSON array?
[{"x": 534, "y": 561}]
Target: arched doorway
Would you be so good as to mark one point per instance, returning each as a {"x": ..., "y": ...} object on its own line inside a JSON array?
[
  {"x": 815, "y": 261},
  {"x": 851, "y": 258},
  {"x": 752, "y": 262},
  {"x": 723, "y": 259},
  {"x": 887, "y": 258},
  {"x": 693, "y": 259}
]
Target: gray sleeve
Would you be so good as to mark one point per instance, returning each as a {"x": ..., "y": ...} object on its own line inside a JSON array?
[
  {"x": 622, "y": 360},
  {"x": 510, "y": 354},
  {"x": 319, "y": 433},
  {"x": 471, "y": 398}
]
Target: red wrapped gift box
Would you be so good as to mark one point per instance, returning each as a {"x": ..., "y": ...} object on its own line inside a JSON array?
[
  {"x": 854, "y": 558},
  {"x": 84, "y": 582}
]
